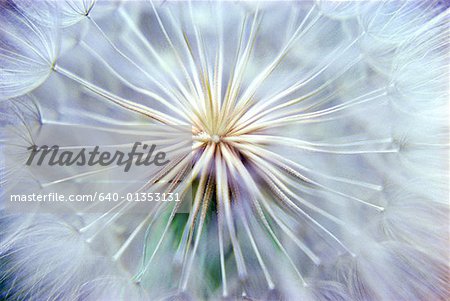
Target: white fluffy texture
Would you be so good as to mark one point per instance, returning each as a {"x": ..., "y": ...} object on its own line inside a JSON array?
[
  {"x": 48, "y": 260},
  {"x": 66, "y": 13},
  {"x": 330, "y": 177},
  {"x": 27, "y": 51}
]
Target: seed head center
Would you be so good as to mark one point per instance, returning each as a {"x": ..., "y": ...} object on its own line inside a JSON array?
[{"x": 215, "y": 138}]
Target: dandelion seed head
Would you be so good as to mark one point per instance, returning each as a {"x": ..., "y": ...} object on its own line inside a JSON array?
[{"x": 318, "y": 157}]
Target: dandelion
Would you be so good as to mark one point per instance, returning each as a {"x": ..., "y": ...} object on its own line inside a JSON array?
[
  {"x": 27, "y": 52},
  {"x": 319, "y": 156}
]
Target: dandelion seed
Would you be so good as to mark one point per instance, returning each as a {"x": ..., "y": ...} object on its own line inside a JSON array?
[{"x": 27, "y": 52}]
